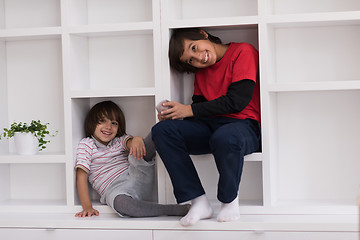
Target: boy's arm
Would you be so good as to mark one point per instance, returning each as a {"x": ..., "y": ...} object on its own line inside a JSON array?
[
  {"x": 83, "y": 191},
  {"x": 136, "y": 147}
]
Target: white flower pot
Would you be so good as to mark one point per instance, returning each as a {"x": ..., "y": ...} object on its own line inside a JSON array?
[{"x": 26, "y": 143}]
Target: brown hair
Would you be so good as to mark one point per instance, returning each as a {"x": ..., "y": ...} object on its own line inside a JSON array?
[
  {"x": 103, "y": 109},
  {"x": 176, "y": 46}
]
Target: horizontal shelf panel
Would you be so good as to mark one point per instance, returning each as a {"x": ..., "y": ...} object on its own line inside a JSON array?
[
  {"x": 31, "y": 33},
  {"x": 112, "y": 221},
  {"x": 336, "y": 18},
  {"x": 314, "y": 207},
  {"x": 33, "y": 202},
  {"x": 314, "y": 86},
  {"x": 214, "y": 22},
  {"x": 124, "y": 92},
  {"x": 103, "y": 29},
  {"x": 38, "y": 158},
  {"x": 254, "y": 157}
]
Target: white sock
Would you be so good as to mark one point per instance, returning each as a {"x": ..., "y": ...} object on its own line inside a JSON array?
[
  {"x": 200, "y": 209},
  {"x": 229, "y": 212}
]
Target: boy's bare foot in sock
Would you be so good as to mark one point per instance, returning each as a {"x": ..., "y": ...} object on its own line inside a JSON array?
[
  {"x": 229, "y": 212},
  {"x": 200, "y": 209}
]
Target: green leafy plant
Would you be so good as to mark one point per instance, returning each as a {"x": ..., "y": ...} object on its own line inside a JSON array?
[{"x": 38, "y": 129}]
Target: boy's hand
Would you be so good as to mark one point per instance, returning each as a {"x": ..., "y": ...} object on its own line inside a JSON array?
[
  {"x": 175, "y": 110},
  {"x": 136, "y": 147},
  {"x": 87, "y": 213}
]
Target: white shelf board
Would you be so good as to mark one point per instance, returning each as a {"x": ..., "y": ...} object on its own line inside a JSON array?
[
  {"x": 314, "y": 86},
  {"x": 123, "y": 92},
  {"x": 118, "y": 29},
  {"x": 330, "y": 19},
  {"x": 214, "y": 22},
  {"x": 246, "y": 222},
  {"x": 31, "y": 33},
  {"x": 309, "y": 207},
  {"x": 38, "y": 158},
  {"x": 254, "y": 157}
]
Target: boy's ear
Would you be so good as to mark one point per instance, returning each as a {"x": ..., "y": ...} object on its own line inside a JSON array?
[{"x": 204, "y": 33}]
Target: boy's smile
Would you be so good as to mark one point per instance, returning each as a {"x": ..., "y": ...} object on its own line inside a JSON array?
[
  {"x": 199, "y": 54},
  {"x": 106, "y": 130},
  {"x": 202, "y": 53}
]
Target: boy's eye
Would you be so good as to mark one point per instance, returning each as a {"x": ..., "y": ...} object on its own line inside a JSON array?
[
  {"x": 193, "y": 48},
  {"x": 190, "y": 60},
  {"x": 114, "y": 123},
  {"x": 101, "y": 120}
]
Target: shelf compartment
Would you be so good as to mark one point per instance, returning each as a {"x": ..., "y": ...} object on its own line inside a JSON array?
[
  {"x": 32, "y": 184},
  {"x": 317, "y": 147},
  {"x": 33, "y": 88},
  {"x": 251, "y": 189},
  {"x": 309, "y": 6},
  {"x": 110, "y": 61},
  {"x": 187, "y": 9},
  {"x": 301, "y": 54},
  {"x": 29, "y": 13},
  {"x": 182, "y": 85},
  {"x": 92, "y": 12},
  {"x": 139, "y": 114}
]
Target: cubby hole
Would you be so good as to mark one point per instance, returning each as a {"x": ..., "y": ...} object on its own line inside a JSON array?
[
  {"x": 32, "y": 184},
  {"x": 139, "y": 115},
  {"x": 182, "y": 85},
  {"x": 32, "y": 87},
  {"x": 29, "y": 14},
  {"x": 317, "y": 148},
  {"x": 301, "y": 53},
  {"x": 112, "y": 61},
  {"x": 251, "y": 187},
  {"x": 250, "y": 190},
  {"x": 92, "y": 12}
]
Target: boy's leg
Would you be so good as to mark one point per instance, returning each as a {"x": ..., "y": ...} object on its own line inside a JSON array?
[
  {"x": 230, "y": 143},
  {"x": 174, "y": 140},
  {"x": 131, "y": 207}
]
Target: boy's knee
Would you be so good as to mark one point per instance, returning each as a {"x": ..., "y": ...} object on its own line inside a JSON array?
[{"x": 161, "y": 128}]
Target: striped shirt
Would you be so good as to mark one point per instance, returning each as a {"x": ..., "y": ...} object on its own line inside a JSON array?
[{"x": 102, "y": 163}]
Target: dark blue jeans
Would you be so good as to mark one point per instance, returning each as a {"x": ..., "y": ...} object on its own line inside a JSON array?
[{"x": 228, "y": 139}]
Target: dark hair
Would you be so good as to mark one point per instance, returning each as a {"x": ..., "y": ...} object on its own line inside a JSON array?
[
  {"x": 176, "y": 46},
  {"x": 103, "y": 109}
]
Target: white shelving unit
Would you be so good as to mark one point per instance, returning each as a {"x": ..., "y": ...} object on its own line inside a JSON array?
[
  {"x": 310, "y": 89},
  {"x": 60, "y": 57}
]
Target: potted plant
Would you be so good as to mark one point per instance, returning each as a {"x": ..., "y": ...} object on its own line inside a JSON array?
[{"x": 29, "y": 138}]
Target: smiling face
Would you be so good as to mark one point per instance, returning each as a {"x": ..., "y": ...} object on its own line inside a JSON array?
[
  {"x": 199, "y": 53},
  {"x": 106, "y": 130}
]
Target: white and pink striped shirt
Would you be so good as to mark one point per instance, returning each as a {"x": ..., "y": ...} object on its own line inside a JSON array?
[{"x": 103, "y": 163}]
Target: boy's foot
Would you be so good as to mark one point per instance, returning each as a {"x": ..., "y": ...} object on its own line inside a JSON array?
[
  {"x": 200, "y": 209},
  {"x": 229, "y": 212}
]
